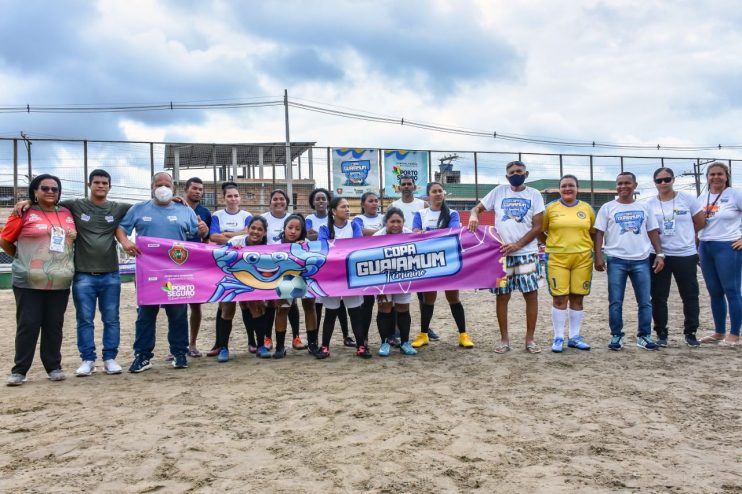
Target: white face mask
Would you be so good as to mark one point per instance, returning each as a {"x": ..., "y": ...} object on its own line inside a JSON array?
[{"x": 163, "y": 194}]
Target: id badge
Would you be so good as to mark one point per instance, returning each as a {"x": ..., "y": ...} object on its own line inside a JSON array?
[
  {"x": 668, "y": 227},
  {"x": 56, "y": 244}
]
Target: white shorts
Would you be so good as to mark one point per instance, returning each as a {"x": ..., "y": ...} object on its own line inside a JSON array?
[
  {"x": 397, "y": 298},
  {"x": 334, "y": 302}
]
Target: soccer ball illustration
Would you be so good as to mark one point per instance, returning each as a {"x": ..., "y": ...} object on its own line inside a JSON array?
[{"x": 291, "y": 286}]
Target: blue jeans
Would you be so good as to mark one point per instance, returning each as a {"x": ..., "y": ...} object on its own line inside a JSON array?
[
  {"x": 722, "y": 269},
  {"x": 639, "y": 272},
  {"x": 105, "y": 289},
  {"x": 177, "y": 329}
]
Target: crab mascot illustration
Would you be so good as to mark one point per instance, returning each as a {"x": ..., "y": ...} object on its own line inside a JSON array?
[{"x": 288, "y": 274}]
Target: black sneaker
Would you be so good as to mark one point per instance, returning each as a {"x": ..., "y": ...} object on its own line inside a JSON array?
[
  {"x": 691, "y": 341},
  {"x": 433, "y": 336},
  {"x": 140, "y": 364},
  {"x": 662, "y": 342},
  {"x": 363, "y": 352},
  {"x": 323, "y": 352},
  {"x": 349, "y": 341},
  {"x": 279, "y": 352},
  {"x": 180, "y": 362}
]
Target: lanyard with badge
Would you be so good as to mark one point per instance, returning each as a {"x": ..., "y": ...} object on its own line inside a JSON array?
[
  {"x": 58, "y": 234},
  {"x": 668, "y": 224}
]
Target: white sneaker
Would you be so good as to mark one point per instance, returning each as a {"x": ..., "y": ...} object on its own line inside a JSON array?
[
  {"x": 86, "y": 368},
  {"x": 112, "y": 367}
]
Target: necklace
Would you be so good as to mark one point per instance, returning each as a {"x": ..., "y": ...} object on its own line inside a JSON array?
[{"x": 663, "y": 209}]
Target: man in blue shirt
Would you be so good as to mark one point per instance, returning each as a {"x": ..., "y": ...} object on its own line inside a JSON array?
[
  {"x": 163, "y": 218},
  {"x": 194, "y": 190}
]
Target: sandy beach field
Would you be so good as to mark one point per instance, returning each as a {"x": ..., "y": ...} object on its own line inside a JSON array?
[{"x": 447, "y": 420}]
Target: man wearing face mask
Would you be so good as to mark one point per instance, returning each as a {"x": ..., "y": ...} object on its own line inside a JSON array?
[
  {"x": 519, "y": 214},
  {"x": 163, "y": 218}
]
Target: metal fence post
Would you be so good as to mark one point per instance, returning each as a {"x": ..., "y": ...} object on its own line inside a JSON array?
[
  {"x": 592, "y": 183},
  {"x": 15, "y": 171},
  {"x": 85, "y": 167},
  {"x": 329, "y": 169},
  {"x": 730, "y": 173},
  {"x": 561, "y": 166},
  {"x": 311, "y": 162},
  {"x": 151, "y": 160},
  {"x": 476, "y": 178}
]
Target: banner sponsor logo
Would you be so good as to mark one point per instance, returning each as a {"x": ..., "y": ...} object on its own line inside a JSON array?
[{"x": 178, "y": 254}]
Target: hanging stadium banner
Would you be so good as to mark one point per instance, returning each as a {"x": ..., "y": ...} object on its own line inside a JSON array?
[
  {"x": 398, "y": 163},
  {"x": 355, "y": 171},
  {"x": 172, "y": 272}
]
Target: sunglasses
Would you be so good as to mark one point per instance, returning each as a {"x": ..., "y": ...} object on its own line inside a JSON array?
[
  {"x": 663, "y": 180},
  {"x": 46, "y": 188}
]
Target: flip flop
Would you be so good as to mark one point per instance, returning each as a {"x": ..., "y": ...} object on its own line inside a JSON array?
[
  {"x": 730, "y": 344},
  {"x": 533, "y": 347},
  {"x": 195, "y": 353},
  {"x": 503, "y": 348}
]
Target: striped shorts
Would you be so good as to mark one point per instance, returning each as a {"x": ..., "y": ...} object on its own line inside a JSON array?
[{"x": 523, "y": 274}]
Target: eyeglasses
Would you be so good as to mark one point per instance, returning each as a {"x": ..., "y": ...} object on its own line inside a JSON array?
[
  {"x": 663, "y": 180},
  {"x": 46, "y": 188}
]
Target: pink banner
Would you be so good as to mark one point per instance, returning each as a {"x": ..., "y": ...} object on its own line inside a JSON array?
[{"x": 172, "y": 272}]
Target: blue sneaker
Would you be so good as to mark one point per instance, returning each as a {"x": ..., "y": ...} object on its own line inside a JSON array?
[
  {"x": 558, "y": 345},
  {"x": 616, "y": 343},
  {"x": 180, "y": 362},
  {"x": 384, "y": 349},
  {"x": 646, "y": 342},
  {"x": 223, "y": 355},
  {"x": 433, "y": 336},
  {"x": 263, "y": 352},
  {"x": 406, "y": 349},
  {"x": 578, "y": 343},
  {"x": 140, "y": 364}
]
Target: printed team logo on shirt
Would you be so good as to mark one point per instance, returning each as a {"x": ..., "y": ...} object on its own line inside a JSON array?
[
  {"x": 172, "y": 218},
  {"x": 33, "y": 217},
  {"x": 84, "y": 217},
  {"x": 515, "y": 208},
  {"x": 630, "y": 221},
  {"x": 711, "y": 210},
  {"x": 70, "y": 219},
  {"x": 146, "y": 218},
  {"x": 581, "y": 215},
  {"x": 178, "y": 254},
  {"x": 109, "y": 219}
]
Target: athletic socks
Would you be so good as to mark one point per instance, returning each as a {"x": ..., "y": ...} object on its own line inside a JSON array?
[
  {"x": 329, "y": 325},
  {"x": 426, "y": 315},
  {"x": 249, "y": 323},
  {"x": 368, "y": 310},
  {"x": 294, "y": 319},
  {"x": 222, "y": 339},
  {"x": 342, "y": 316},
  {"x": 575, "y": 322},
  {"x": 270, "y": 314},
  {"x": 457, "y": 311},
  {"x": 280, "y": 339},
  {"x": 356, "y": 323},
  {"x": 558, "y": 320},
  {"x": 385, "y": 321},
  {"x": 404, "y": 321},
  {"x": 313, "y": 336},
  {"x": 318, "y": 311}
]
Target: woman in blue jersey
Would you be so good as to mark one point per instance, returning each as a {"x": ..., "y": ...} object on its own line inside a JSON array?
[
  {"x": 319, "y": 199},
  {"x": 398, "y": 303},
  {"x": 338, "y": 227},
  {"x": 370, "y": 222},
  {"x": 438, "y": 215}
]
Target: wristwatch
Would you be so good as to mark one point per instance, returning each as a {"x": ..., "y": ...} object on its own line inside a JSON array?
[{"x": 661, "y": 254}]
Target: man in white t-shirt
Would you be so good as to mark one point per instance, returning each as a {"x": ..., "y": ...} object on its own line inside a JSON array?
[
  {"x": 408, "y": 203},
  {"x": 630, "y": 231},
  {"x": 519, "y": 214}
]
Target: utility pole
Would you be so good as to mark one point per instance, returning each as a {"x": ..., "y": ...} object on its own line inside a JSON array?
[
  {"x": 289, "y": 172},
  {"x": 696, "y": 173}
]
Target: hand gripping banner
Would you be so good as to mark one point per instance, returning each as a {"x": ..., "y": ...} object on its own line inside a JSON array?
[{"x": 173, "y": 272}]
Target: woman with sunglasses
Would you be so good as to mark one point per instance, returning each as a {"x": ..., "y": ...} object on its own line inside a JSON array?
[
  {"x": 438, "y": 215},
  {"x": 41, "y": 244},
  {"x": 679, "y": 217},
  {"x": 720, "y": 249}
]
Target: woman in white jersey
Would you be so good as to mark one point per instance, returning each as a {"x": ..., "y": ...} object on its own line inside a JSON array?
[
  {"x": 319, "y": 199},
  {"x": 370, "y": 222},
  {"x": 438, "y": 215},
  {"x": 679, "y": 217},
  {"x": 338, "y": 227},
  {"x": 720, "y": 249},
  {"x": 275, "y": 217},
  {"x": 398, "y": 303}
]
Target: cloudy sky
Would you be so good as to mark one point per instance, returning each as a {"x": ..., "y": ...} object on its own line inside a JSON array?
[{"x": 631, "y": 72}]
